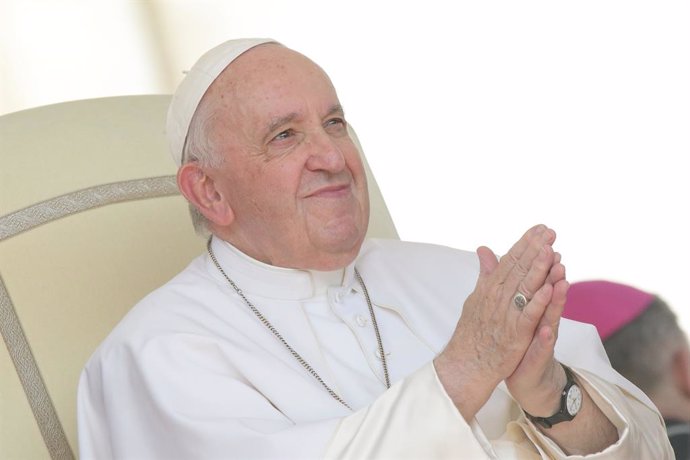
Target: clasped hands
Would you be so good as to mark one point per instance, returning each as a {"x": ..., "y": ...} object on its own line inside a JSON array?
[{"x": 495, "y": 340}]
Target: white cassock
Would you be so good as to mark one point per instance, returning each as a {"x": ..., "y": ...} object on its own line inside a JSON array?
[{"x": 191, "y": 373}]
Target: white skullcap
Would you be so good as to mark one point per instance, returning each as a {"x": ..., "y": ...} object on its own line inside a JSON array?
[{"x": 193, "y": 87}]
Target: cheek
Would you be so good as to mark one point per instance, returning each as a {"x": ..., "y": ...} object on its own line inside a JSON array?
[
  {"x": 353, "y": 160},
  {"x": 276, "y": 187},
  {"x": 358, "y": 172}
]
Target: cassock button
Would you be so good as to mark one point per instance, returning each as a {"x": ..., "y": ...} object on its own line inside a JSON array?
[{"x": 361, "y": 321}]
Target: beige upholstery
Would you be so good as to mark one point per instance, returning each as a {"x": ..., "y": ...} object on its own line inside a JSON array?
[{"x": 71, "y": 279}]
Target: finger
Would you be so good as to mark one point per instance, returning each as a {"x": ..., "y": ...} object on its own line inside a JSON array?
[
  {"x": 554, "y": 311},
  {"x": 557, "y": 272},
  {"x": 540, "y": 351},
  {"x": 532, "y": 238},
  {"x": 487, "y": 260},
  {"x": 530, "y": 270},
  {"x": 537, "y": 273},
  {"x": 560, "y": 294},
  {"x": 539, "y": 354},
  {"x": 533, "y": 250},
  {"x": 532, "y": 313}
]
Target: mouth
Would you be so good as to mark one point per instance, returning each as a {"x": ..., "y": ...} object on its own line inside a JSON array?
[{"x": 331, "y": 191}]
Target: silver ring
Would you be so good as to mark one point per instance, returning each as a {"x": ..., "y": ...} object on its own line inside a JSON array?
[{"x": 520, "y": 300}]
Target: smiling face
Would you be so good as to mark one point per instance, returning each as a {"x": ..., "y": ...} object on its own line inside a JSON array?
[{"x": 292, "y": 178}]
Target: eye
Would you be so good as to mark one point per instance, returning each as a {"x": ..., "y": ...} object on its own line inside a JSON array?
[
  {"x": 335, "y": 125},
  {"x": 284, "y": 135}
]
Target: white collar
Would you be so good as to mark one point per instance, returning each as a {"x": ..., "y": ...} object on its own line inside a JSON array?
[{"x": 268, "y": 281}]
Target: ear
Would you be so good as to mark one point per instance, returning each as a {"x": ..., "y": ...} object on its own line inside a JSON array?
[
  {"x": 200, "y": 190},
  {"x": 681, "y": 370}
]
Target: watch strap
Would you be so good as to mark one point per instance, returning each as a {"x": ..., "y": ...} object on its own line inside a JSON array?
[{"x": 562, "y": 415}]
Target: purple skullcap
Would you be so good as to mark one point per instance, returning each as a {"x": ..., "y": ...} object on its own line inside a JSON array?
[
  {"x": 193, "y": 87},
  {"x": 608, "y": 306}
]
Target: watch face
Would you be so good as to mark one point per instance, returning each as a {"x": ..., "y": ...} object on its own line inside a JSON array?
[{"x": 574, "y": 400}]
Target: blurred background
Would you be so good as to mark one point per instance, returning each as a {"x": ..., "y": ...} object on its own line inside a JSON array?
[{"x": 479, "y": 119}]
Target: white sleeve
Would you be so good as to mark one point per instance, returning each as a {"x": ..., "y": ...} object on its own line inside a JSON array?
[
  {"x": 641, "y": 432},
  {"x": 414, "y": 419}
]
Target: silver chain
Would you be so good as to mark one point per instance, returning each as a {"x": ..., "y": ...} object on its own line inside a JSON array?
[
  {"x": 292, "y": 351},
  {"x": 382, "y": 353}
]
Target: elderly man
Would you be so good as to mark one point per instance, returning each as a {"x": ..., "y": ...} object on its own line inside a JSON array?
[{"x": 296, "y": 338}]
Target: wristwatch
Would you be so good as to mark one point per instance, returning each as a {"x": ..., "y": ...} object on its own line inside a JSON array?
[{"x": 571, "y": 402}]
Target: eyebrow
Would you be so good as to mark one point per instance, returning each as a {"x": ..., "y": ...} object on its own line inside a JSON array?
[
  {"x": 335, "y": 108},
  {"x": 275, "y": 123}
]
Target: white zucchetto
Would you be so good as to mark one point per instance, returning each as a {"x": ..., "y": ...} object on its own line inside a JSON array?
[{"x": 193, "y": 87}]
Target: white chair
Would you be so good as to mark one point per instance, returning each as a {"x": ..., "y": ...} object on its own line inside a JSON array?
[{"x": 90, "y": 221}]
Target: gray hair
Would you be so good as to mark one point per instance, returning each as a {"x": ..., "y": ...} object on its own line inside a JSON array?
[
  {"x": 642, "y": 349},
  {"x": 200, "y": 147}
]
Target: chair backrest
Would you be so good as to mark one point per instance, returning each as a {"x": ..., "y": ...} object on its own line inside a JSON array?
[{"x": 90, "y": 222}]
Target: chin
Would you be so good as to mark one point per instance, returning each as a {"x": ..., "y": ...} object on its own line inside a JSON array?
[
  {"x": 338, "y": 249},
  {"x": 338, "y": 238},
  {"x": 344, "y": 236}
]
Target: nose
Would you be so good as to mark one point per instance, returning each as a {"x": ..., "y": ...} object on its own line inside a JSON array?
[{"x": 325, "y": 153}]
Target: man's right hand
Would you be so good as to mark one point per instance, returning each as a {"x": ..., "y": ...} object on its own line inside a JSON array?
[{"x": 493, "y": 334}]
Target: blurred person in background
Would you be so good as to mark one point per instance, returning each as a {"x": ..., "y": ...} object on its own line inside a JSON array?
[{"x": 645, "y": 344}]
